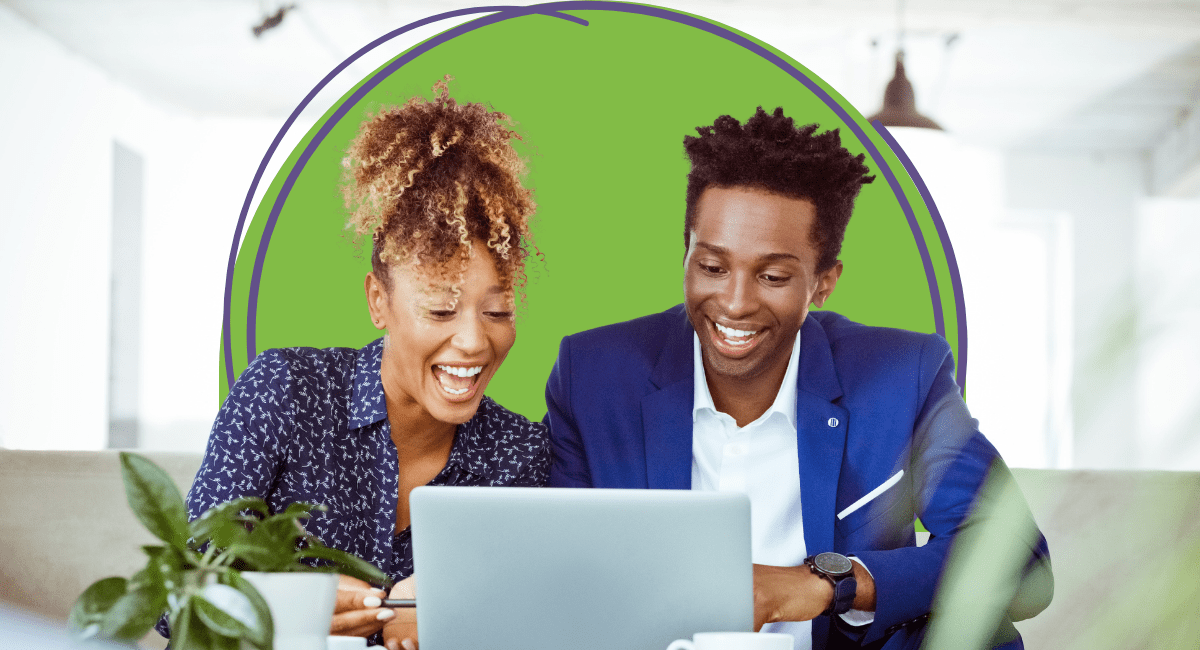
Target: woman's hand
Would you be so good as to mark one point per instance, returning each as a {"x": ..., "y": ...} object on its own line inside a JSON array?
[
  {"x": 400, "y": 633},
  {"x": 357, "y": 611}
]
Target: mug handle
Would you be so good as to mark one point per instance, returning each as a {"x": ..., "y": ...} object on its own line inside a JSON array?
[{"x": 681, "y": 644}]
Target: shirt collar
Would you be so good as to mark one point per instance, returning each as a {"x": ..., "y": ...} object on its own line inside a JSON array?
[
  {"x": 368, "y": 405},
  {"x": 785, "y": 399}
]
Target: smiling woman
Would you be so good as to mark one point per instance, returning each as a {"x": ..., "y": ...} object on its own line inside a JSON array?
[{"x": 437, "y": 187}]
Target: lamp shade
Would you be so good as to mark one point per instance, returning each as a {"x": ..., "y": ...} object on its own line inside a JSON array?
[{"x": 899, "y": 104}]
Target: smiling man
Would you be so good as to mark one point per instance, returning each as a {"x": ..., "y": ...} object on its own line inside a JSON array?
[{"x": 839, "y": 433}]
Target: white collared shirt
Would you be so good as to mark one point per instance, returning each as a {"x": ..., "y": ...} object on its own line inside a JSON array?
[{"x": 761, "y": 461}]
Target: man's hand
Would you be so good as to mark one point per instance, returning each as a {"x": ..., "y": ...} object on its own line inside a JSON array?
[
  {"x": 400, "y": 633},
  {"x": 797, "y": 594},
  {"x": 357, "y": 611},
  {"x": 788, "y": 593}
]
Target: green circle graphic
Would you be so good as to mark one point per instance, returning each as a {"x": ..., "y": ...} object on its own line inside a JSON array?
[{"x": 603, "y": 109}]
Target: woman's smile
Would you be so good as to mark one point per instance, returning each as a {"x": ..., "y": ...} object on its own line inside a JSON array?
[{"x": 459, "y": 381}]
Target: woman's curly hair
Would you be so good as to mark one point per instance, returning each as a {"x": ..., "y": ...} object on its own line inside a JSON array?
[
  {"x": 770, "y": 152},
  {"x": 427, "y": 178}
]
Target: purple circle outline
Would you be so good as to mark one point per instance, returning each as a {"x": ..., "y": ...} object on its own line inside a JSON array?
[
  {"x": 505, "y": 13},
  {"x": 960, "y": 306},
  {"x": 226, "y": 316},
  {"x": 327, "y": 126}
]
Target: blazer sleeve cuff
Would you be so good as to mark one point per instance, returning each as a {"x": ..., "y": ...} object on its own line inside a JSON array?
[{"x": 905, "y": 582}]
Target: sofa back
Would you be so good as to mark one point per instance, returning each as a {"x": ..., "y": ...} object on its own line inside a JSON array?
[
  {"x": 65, "y": 523},
  {"x": 1125, "y": 545}
]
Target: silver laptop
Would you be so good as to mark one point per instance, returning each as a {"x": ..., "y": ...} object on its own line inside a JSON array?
[{"x": 578, "y": 569}]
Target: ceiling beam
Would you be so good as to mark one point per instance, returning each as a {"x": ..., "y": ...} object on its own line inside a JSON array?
[{"x": 1175, "y": 160}]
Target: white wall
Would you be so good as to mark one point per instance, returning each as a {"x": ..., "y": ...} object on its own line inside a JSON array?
[
  {"x": 59, "y": 116},
  {"x": 1013, "y": 287},
  {"x": 1101, "y": 193},
  {"x": 1168, "y": 296},
  {"x": 56, "y": 128}
]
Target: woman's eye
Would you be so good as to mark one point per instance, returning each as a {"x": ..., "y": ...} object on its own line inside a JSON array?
[
  {"x": 499, "y": 315},
  {"x": 441, "y": 313}
]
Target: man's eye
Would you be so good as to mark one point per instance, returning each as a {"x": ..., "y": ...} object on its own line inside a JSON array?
[
  {"x": 776, "y": 279},
  {"x": 708, "y": 268}
]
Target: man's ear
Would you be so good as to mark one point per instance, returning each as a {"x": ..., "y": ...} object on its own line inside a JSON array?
[
  {"x": 826, "y": 284},
  {"x": 377, "y": 300}
]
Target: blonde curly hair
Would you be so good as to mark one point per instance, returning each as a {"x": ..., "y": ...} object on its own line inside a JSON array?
[{"x": 427, "y": 178}]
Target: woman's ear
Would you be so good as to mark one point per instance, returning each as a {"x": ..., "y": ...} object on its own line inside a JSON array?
[{"x": 377, "y": 300}]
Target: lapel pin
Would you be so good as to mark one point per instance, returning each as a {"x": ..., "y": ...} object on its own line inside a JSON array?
[{"x": 833, "y": 422}]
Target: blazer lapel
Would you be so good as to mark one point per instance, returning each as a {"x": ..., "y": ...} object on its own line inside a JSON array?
[
  {"x": 667, "y": 412},
  {"x": 820, "y": 436}
]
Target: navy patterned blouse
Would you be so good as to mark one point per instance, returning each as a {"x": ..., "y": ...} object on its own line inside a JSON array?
[{"x": 302, "y": 424}]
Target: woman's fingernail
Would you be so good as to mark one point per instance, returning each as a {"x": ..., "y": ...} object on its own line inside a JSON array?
[
  {"x": 385, "y": 615},
  {"x": 409, "y": 644},
  {"x": 392, "y": 645},
  {"x": 372, "y": 602},
  {"x": 381, "y": 592}
]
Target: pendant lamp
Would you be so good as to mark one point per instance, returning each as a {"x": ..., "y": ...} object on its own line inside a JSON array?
[{"x": 899, "y": 104}]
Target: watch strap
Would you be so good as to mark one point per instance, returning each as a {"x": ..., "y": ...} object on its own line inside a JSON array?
[
  {"x": 844, "y": 591},
  {"x": 845, "y": 587}
]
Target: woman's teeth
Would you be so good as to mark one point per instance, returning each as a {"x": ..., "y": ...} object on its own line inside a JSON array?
[
  {"x": 460, "y": 371},
  {"x": 735, "y": 337},
  {"x": 456, "y": 380}
]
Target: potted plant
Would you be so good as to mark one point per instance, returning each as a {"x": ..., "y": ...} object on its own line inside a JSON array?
[{"x": 196, "y": 575}]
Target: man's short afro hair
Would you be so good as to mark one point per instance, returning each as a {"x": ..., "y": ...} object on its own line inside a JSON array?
[{"x": 771, "y": 154}]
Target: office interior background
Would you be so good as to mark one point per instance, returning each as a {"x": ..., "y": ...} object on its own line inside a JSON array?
[{"x": 130, "y": 132}]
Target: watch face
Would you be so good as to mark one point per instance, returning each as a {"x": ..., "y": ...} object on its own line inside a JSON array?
[{"x": 833, "y": 563}]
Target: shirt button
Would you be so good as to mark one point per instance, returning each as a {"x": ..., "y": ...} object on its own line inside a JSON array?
[{"x": 833, "y": 422}]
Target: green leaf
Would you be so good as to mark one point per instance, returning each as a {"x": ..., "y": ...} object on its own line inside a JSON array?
[
  {"x": 218, "y": 621},
  {"x": 257, "y": 558},
  {"x": 346, "y": 563},
  {"x": 302, "y": 509},
  {"x": 218, "y": 642},
  {"x": 133, "y": 615},
  {"x": 164, "y": 570},
  {"x": 223, "y": 524},
  {"x": 95, "y": 601},
  {"x": 266, "y": 634},
  {"x": 187, "y": 632},
  {"x": 229, "y": 612},
  {"x": 154, "y": 499},
  {"x": 274, "y": 546},
  {"x": 152, "y": 575}
]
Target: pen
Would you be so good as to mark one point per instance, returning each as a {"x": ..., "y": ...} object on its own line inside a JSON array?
[{"x": 398, "y": 602}]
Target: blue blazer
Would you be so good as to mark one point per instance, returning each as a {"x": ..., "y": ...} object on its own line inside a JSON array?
[{"x": 870, "y": 402}]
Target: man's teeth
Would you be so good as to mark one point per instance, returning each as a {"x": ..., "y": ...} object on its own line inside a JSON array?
[
  {"x": 460, "y": 371},
  {"x": 730, "y": 334}
]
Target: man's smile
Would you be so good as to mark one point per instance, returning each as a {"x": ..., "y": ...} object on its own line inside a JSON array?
[{"x": 732, "y": 341}]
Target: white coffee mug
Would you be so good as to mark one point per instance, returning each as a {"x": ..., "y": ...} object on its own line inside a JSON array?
[{"x": 735, "y": 641}]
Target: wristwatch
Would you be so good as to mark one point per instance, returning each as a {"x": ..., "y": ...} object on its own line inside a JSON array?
[{"x": 839, "y": 571}]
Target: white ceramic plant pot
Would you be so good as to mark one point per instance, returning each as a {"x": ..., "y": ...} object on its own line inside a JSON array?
[{"x": 301, "y": 606}]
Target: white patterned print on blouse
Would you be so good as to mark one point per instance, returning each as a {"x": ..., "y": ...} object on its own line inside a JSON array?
[{"x": 310, "y": 425}]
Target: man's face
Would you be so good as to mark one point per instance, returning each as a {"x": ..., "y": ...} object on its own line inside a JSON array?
[{"x": 750, "y": 274}]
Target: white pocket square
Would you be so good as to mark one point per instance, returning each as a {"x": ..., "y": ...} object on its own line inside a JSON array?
[{"x": 871, "y": 495}]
